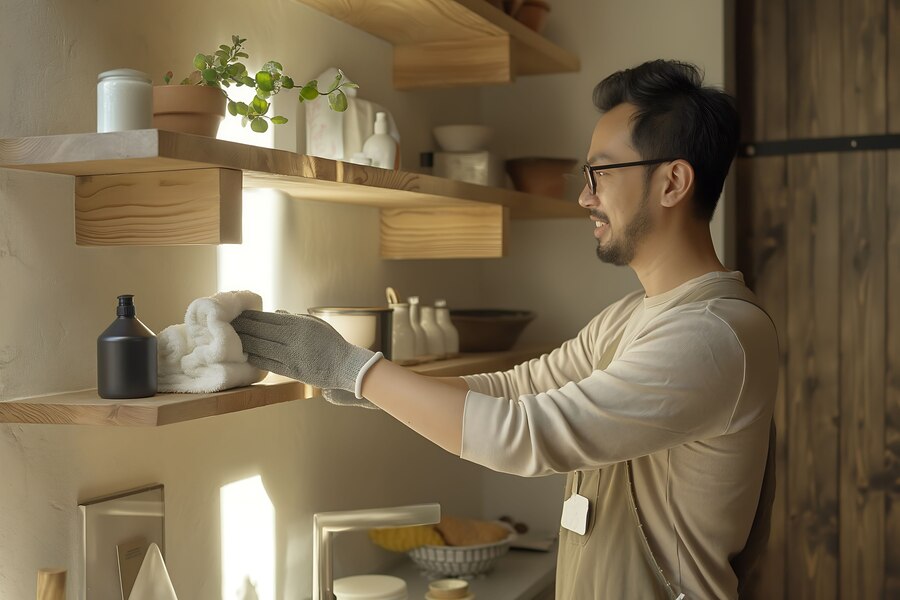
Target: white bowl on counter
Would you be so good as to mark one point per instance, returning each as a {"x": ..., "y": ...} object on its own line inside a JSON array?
[{"x": 366, "y": 326}]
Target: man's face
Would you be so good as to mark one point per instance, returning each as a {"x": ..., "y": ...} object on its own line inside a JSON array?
[{"x": 620, "y": 208}]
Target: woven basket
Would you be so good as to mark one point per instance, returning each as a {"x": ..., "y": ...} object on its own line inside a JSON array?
[{"x": 459, "y": 561}]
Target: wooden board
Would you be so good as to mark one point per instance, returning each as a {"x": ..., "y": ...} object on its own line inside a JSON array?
[
  {"x": 422, "y": 22},
  {"x": 301, "y": 176},
  {"x": 892, "y": 383},
  {"x": 87, "y": 408},
  {"x": 448, "y": 232},
  {"x": 813, "y": 293},
  {"x": 198, "y": 206},
  {"x": 453, "y": 63}
]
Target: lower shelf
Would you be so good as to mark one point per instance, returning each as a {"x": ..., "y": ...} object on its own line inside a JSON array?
[{"x": 85, "y": 407}]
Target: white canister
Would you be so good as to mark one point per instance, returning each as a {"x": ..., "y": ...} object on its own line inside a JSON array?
[
  {"x": 415, "y": 321},
  {"x": 451, "y": 336},
  {"x": 370, "y": 587},
  {"x": 124, "y": 100},
  {"x": 433, "y": 332},
  {"x": 403, "y": 338}
]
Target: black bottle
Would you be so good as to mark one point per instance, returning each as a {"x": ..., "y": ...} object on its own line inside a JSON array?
[{"x": 126, "y": 356}]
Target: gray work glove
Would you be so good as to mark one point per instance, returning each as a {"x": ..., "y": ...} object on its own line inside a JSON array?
[
  {"x": 345, "y": 398},
  {"x": 302, "y": 347}
]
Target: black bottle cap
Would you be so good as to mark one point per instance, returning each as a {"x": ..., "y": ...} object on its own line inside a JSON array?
[{"x": 126, "y": 306}]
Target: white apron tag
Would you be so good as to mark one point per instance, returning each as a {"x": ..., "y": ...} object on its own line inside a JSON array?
[{"x": 575, "y": 510}]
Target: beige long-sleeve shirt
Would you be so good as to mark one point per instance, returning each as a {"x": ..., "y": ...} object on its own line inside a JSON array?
[{"x": 688, "y": 398}]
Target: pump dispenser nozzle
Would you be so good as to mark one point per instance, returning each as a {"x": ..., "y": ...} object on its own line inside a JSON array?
[{"x": 126, "y": 306}]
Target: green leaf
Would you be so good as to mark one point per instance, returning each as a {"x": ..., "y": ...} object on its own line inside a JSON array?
[
  {"x": 232, "y": 108},
  {"x": 259, "y": 125},
  {"x": 235, "y": 40},
  {"x": 210, "y": 75},
  {"x": 287, "y": 83},
  {"x": 244, "y": 121},
  {"x": 349, "y": 84},
  {"x": 225, "y": 83},
  {"x": 263, "y": 94},
  {"x": 186, "y": 81},
  {"x": 167, "y": 77},
  {"x": 335, "y": 83},
  {"x": 242, "y": 108},
  {"x": 249, "y": 81},
  {"x": 200, "y": 62},
  {"x": 225, "y": 49},
  {"x": 337, "y": 101},
  {"x": 259, "y": 105},
  {"x": 300, "y": 98},
  {"x": 242, "y": 55},
  {"x": 309, "y": 91},
  {"x": 264, "y": 81},
  {"x": 279, "y": 120}
]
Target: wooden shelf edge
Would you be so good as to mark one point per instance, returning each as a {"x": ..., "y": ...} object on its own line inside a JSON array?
[
  {"x": 84, "y": 407},
  {"x": 300, "y": 176}
]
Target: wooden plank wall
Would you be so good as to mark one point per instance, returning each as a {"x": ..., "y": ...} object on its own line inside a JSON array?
[{"x": 819, "y": 240}]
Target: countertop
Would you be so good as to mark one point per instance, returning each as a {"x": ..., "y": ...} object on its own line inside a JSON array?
[{"x": 519, "y": 575}]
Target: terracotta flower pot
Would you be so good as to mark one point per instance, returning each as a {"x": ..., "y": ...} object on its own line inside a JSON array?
[
  {"x": 197, "y": 109},
  {"x": 541, "y": 176},
  {"x": 533, "y": 14}
]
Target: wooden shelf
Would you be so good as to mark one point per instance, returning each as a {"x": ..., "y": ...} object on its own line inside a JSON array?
[
  {"x": 87, "y": 408},
  {"x": 442, "y": 43},
  {"x": 152, "y": 187}
]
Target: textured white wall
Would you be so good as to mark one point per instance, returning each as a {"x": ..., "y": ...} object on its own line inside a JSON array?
[{"x": 55, "y": 298}]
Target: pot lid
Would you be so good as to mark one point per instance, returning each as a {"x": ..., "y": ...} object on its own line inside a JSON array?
[{"x": 130, "y": 73}]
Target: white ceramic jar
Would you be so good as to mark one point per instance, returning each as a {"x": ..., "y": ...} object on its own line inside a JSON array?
[
  {"x": 124, "y": 100},
  {"x": 370, "y": 587},
  {"x": 451, "y": 336},
  {"x": 433, "y": 333},
  {"x": 415, "y": 321},
  {"x": 403, "y": 338}
]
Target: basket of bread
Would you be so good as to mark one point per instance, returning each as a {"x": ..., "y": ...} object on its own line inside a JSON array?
[{"x": 456, "y": 546}]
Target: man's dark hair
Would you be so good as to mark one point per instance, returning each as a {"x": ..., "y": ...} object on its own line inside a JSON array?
[{"x": 678, "y": 117}]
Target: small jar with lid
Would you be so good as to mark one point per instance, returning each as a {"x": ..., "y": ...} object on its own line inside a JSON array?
[{"x": 124, "y": 100}]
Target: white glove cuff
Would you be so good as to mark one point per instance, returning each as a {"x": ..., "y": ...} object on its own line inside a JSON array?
[{"x": 362, "y": 373}]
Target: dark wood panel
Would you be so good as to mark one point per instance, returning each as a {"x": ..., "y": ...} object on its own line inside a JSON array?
[
  {"x": 864, "y": 43},
  {"x": 892, "y": 381},
  {"x": 812, "y": 385},
  {"x": 762, "y": 71},
  {"x": 862, "y": 331},
  {"x": 764, "y": 183}
]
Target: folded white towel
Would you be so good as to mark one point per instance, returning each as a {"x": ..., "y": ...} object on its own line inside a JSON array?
[{"x": 204, "y": 353}]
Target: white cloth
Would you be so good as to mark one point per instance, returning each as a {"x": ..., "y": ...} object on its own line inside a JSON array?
[
  {"x": 153, "y": 581},
  {"x": 204, "y": 353}
]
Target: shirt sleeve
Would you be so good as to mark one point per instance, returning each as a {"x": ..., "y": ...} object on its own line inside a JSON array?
[
  {"x": 572, "y": 361},
  {"x": 679, "y": 381}
]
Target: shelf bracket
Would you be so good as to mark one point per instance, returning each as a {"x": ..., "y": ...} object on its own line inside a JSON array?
[
  {"x": 476, "y": 61},
  {"x": 162, "y": 208},
  {"x": 444, "y": 232}
]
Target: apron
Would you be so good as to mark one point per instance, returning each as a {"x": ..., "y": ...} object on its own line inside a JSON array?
[{"x": 617, "y": 562}]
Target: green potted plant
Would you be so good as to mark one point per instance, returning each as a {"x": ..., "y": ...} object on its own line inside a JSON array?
[{"x": 197, "y": 105}]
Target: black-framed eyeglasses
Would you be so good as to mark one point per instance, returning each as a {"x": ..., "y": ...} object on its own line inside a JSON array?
[{"x": 590, "y": 170}]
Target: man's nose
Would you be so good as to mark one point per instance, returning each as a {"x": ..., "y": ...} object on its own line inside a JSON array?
[{"x": 586, "y": 198}]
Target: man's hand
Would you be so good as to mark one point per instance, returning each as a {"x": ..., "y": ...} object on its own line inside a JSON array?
[{"x": 302, "y": 347}]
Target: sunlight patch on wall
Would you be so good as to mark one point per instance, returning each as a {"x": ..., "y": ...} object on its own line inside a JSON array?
[{"x": 248, "y": 541}]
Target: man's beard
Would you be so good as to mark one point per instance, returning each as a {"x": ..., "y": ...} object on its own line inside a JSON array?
[{"x": 621, "y": 253}]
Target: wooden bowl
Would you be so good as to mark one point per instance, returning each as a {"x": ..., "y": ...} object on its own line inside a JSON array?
[
  {"x": 489, "y": 329},
  {"x": 541, "y": 176}
]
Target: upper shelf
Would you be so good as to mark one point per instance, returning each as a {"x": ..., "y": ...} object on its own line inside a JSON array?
[
  {"x": 301, "y": 176},
  {"x": 442, "y": 43},
  {"x": 87, "y": 408}
]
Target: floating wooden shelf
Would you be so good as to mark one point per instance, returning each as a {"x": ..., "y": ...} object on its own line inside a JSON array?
[
  {"x": 87, "y": 408},
  {"x": 151, "y": 187},
  {"x": 443, "y": 43}
]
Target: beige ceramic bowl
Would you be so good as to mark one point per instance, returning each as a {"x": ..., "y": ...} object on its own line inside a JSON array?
[{"x": 463, "y": 138}]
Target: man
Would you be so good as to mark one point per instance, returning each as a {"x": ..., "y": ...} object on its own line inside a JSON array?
[{"x": 660, "y": 408}]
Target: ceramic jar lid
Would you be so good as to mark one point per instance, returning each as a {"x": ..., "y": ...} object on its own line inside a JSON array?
[{"x": 370, "y": 587}]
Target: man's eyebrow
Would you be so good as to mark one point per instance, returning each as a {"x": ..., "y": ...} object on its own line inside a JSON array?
[{"x": 599, "y": 158}]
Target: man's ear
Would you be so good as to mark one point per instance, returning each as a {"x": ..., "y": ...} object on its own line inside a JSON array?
[{"x": 679, "y": 183}]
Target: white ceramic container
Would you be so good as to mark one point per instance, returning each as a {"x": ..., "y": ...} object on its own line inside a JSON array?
[{"x": 124, "y": 100}]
